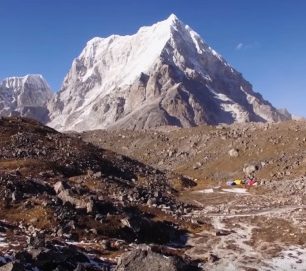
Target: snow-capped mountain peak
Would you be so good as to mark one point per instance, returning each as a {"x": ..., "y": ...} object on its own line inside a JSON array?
[
  {"x": 172, "y": 18},
  {"x": 25, "y": 96},
  {"x": 163, "y": 74},
  {"x": 18, "y": 82}
]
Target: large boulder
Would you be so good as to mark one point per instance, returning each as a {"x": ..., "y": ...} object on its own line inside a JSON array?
[
  {"x": 66, "y": 195},
  {"x": 51, "y": 257},
  {"x": 142, "y": 259}
]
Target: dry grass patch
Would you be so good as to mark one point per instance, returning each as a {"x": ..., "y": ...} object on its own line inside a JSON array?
[
  {"x": 38, "y": 216},
  {"x": 25, "y": 167},
  {"x": 276, "y": 230}
]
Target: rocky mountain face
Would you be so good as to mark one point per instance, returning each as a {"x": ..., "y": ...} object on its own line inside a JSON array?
[
  {"x": 25, "y": 96},
  {"x": 165, "y": 74}
]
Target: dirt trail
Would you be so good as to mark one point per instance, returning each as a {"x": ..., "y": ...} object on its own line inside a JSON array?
[
  {"x": 265, "y": 212},
  {"x": 230, "y": 246}
]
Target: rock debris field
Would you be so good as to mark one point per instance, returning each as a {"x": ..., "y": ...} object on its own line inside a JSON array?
[{"x": 152, "y": 199}]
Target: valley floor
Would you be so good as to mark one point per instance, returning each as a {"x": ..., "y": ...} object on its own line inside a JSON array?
[{"x": 261, "y": 227}]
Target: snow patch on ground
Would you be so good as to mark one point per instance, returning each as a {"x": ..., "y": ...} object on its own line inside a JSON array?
[
  {"x": 236, "y": 190},
  {"x": 293, "y": 258},
  {"x": 3, "y": 242},
  {"x": 206, "y": 191},
  {"x": 224, "y": 190}
]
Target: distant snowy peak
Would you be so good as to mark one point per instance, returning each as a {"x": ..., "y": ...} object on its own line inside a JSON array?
[
  {"x": 30, "y": 90},
  {"x": 165, "y": 74},
  {"x": 25, "y": 96},
  {"x": 35, "y": 80}
]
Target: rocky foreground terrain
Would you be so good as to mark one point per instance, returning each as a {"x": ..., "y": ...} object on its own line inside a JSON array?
[
  {"x": 68, "y": 205},
  {"x": 152, "y": 200}
]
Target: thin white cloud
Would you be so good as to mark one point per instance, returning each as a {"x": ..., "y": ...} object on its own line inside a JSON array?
[
  {"x": 239, "y": 46},
  {"x": 242, "y": 46}
]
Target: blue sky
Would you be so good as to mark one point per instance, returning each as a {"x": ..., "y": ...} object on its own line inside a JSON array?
[{"x": 264, "y": 39}]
